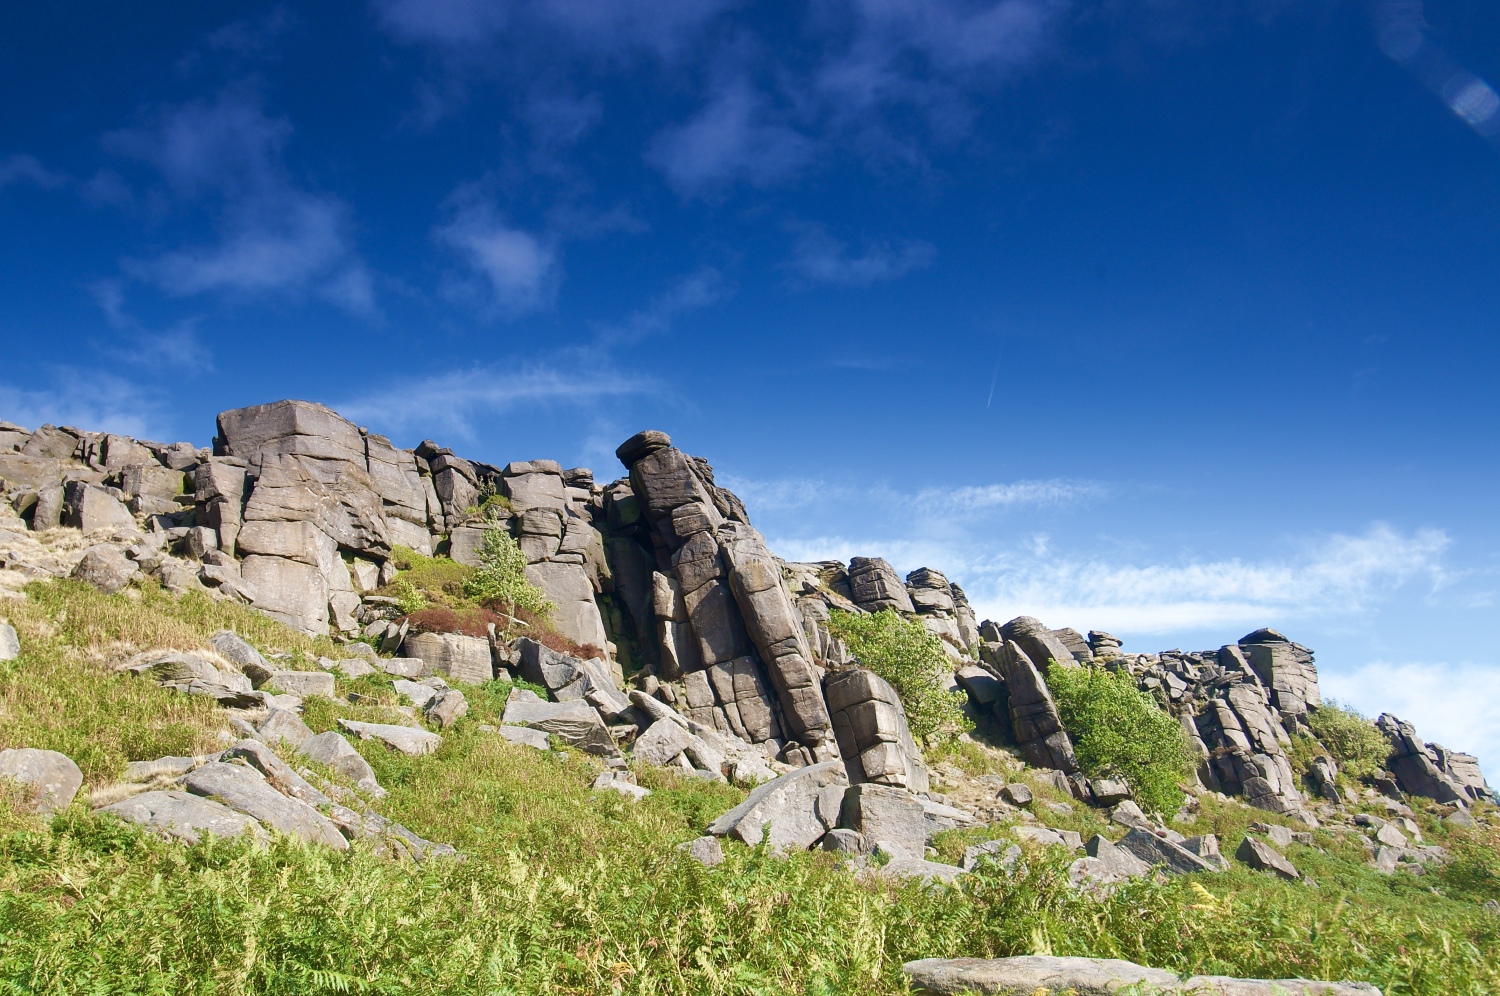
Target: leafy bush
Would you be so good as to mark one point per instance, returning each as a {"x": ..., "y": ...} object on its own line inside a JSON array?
[
  {"x": 1352, "y": 740},
  {"x": 1118, "y": 729},
  {"x": 409, "y": 598},
  {"x": 502, "y": 578},
  {"x": 902, "y": 652}
]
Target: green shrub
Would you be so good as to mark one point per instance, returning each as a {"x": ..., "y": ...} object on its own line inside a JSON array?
[
  {"x": 409, "y": 598},
  {"x": 1352, "y": 740},
  {"x": 902, "y": 652},
  {"x": 502, "y": 578},
  {"x": 1119, "y": 730}
]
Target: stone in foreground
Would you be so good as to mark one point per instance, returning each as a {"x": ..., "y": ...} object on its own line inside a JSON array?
[
  {"x": 184, "y": 816},
  {"x": 406, "y": 739},
  {"x": 50, "y": 779},
  {"x": 1262, "y": 857},
  {"x": 791, "y": 812},
  {"x": 246, "y": 791},
  {"x": 1039, "y": 975}
]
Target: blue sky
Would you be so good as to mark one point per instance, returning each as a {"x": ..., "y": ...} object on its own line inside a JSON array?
[{"x": 1166, "y": 318}]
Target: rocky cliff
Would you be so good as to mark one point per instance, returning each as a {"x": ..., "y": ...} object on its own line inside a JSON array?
[{"x": 661, "y": 576}]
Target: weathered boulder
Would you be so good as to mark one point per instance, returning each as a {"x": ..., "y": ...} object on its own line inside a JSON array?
[
  {"x": 1155, "y": 850},
  {"x": 662, "y": 742},
  {"x": 50, "y": 779},
  {"x": 706, "y": 850},
  {"x": 875, "y": 585},
  {"x": 289, "y": 591},
  {"x": 302, "y": 683},
  {"x": 10, "y": 643},
  {"x": 1034, "y": 719},
  {"x": 446, "y": 707},
  {"x": 283, "y": 724},
  {"x": 873, "y": 736},
  {"x": 885, "y": 814},
  {"x": 1041, "y": 646},
  {"x": 575, "y": 722},
  {"x": 1115, "y": 863},
  {"x": 106, "y": 568},
  {"x": 1262, "y": 857},
  {"x": 184, "y": 816},
  {"x": 1045, "y": 975},
  {"x": 790, "y": 813},
  {"x": 406, "y": 739},
  {"x": 334, "y": 752},
  {"x": 525, "y": 736},
  {"x": 89, "y": 508},
  {"x": 246, "y": 791},
  {"x": 453, "y": 655}
]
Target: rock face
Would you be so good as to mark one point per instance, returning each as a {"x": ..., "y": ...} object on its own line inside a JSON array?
[
  {"x": 721, "y": 620},
  {"x": 246, "y": 791},
  {"x": 1430, "y": 770},
  {"x": 872, "y": 732},
  {"x": 1286, "y": 669},
  {"x": 1028, "y": 706},
  {"x": 1039, "y": 975}
]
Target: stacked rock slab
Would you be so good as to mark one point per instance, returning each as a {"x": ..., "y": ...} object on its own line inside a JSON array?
[
  {"x": 875, "y": 585},
  {"x": 1028, "y": 706},
  {"x": 1286, "y": 669},
  {"x": 727, "y": 625},
  {"x": 873, "y": 735},
  {"x": 943, "y": 610}
]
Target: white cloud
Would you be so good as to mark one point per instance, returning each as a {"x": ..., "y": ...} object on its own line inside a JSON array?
[
  {"x": 521, "y": 271},
  {"x": 90, "y": 400},
  {"x": 1451, "y": 704},
  {"x": 732, "y": 139},
  {"x": 822, "y": 258},
  {"x": 452, "y": 402},
  {"x": 277, "y": 237},
  {"x": 980, "y": 498}
]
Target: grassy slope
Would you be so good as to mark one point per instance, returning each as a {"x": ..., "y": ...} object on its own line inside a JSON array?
[{"x": 568, "y": 890}]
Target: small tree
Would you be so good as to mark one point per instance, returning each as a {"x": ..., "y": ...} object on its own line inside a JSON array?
[
  {"x": 902, "y": 652},
  {"x": 502, "y": 576},
  {"x": 1118, "y": 729},
  {"x": 1352, "y": 740}
]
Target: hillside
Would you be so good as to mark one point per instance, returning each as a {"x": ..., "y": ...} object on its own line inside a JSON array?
[{"x": 307, "y": 712}]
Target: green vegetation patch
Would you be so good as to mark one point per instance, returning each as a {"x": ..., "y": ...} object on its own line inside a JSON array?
[
  {"x": 1119, "y": 730},
  {"x": 902, "y": 652},
  {"x": 1352, "y": 740}
]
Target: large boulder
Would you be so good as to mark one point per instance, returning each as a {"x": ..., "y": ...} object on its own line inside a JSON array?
[
  {"x": 406, "y": 739},
  {"x": 90, "y": 508},
  {"x": 1040, "y": 644},
  {"x": 335, "y": 753},
  {"x": 246, "y": 791},
  {"x": 1045, "y": 975},
  {"x": 575, "y": 723},
  {"x": 106, "y": 568},
  {"x": 49, "y": 779},
  {"x": 453, "y": 655},
  {"x": 873, "y": 736},
  {"x": 575, "y": 613},
  {"x": 875, "y": 585},
  {"x": 791, "y": 812},
  {"x": 885, "y": 815},
  {"x": 1034, "y": 719},
  {"x": 184, "y": 816}
]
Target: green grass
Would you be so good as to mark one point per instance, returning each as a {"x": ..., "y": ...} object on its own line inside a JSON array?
[{"x": 568, "y": 890}]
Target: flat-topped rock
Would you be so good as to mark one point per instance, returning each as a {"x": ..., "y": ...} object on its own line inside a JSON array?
[
  {"x": 184, "y": 816},
  {"x": 406, "y": 739},
  {"x": 1041, "y": 975}
]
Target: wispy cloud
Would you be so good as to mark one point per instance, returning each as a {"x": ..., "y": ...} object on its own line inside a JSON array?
[
  {"x": 1034, "y": 494},
  {"x": 518, "y": 271},
  {"x": 178, "y": 346},
  {"x": 453, "y": 402},
  {"x": 732, "y": 139},
  {"x": 700, "y": 289},
  {"x": 97, "y": 402},
  {"x": 277, "y": 237},
  {"x": 21, "y": 168},
  {"x": 821, "y": 258},
  {"x": 1454, "y": 704}
]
